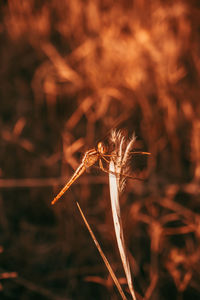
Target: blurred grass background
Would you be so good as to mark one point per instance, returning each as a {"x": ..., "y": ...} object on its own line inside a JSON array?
[{"x": 69, "y": 70}]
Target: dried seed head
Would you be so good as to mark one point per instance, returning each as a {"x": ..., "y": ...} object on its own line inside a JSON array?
[{"x": 121, "y": 155}]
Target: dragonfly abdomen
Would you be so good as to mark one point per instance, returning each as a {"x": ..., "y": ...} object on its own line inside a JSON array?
[{"x": 79, "y": 171}]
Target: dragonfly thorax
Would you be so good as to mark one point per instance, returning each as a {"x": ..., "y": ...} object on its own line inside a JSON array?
[
  {"x": 91, "y": 156},
  {"x": 101, "y": 147}
]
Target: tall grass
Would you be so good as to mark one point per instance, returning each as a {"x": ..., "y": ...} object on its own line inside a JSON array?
[{"x": 69, "y": 69}]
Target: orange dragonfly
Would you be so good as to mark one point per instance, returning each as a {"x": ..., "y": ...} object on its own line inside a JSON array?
[{"x": 89, "y": 159}]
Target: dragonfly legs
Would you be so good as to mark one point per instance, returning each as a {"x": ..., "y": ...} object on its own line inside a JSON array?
[
  {"x": 103, "y": 156},
  {"x": 115, "y": 173},
  {"x": 107, "y": 171}
]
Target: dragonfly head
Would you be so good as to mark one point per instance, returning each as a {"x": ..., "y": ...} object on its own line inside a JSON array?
[{"x": 101, "y": 147}]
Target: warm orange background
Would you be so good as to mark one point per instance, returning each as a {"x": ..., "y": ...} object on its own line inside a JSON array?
[{"x": 69, "y": 70}]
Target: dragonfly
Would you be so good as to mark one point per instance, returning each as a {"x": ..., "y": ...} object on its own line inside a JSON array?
[{"x": 89, "y": 159}]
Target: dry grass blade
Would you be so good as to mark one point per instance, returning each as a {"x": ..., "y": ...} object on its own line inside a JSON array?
[
  {"x": 112, "y": 274},
  {"x": 118, "y": 165},
  {"x": 114, "y": 195}
]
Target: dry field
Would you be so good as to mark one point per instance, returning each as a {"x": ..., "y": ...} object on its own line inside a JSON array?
[{"x": 70, "y": 71}]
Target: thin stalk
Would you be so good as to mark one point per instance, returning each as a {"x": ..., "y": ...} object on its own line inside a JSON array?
[{"x": 112, "y": 274}]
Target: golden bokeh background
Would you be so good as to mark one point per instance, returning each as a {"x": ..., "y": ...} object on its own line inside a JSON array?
[{"x": 70, "y": 71}]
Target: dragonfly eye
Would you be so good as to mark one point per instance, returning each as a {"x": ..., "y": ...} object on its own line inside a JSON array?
[{"x": 101, "y": 148}]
